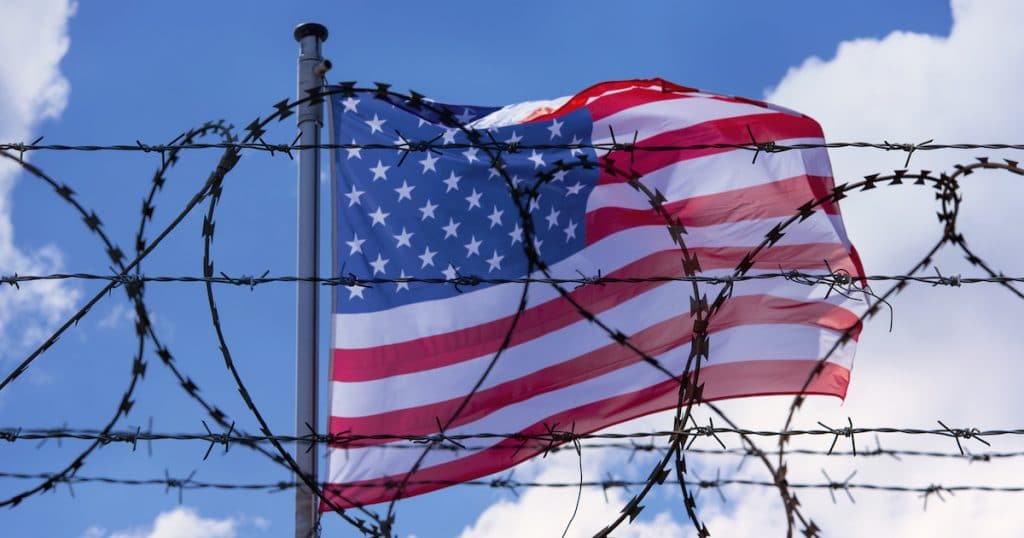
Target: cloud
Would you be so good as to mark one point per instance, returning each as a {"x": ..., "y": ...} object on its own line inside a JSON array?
[
  {"x": 947, "y": 356},
  {"x": 33, "y": 39},
  {"x": 911, "y": 87},
  {"x": 94, "y": 532},
  {"x": 184, "y": 522},
  {"x": 545, "y": 512},
  {"x": 118, "y": 315}
]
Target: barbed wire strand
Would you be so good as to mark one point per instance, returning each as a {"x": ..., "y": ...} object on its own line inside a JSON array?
[
  {"x": 129, "y": 275},
  {"x": 190, "y": 483}
]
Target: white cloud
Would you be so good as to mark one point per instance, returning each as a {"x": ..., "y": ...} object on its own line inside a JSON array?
[
  {"x": 33, "y": 39},
  {"x": 184, "y": 522},
  {"x": 94, "y": 532},
  {"x": 545, "y": 512},
  {"x": 946, "y": 357},
  {"x": 952, "y": 353},
  {"x": 910, "y": 87},
  {"x": 118, "y": 315}
]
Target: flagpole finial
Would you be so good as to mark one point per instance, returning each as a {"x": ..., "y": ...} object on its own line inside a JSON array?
[{"x": 311, "y": 29}]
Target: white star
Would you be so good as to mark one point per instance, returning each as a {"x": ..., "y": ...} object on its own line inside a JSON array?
[
  {"x": 534, "y": 203},
  {"x": 465, "y": 117},
  {"x": 570, "y": 231},
  {"x": 473, "y": 247},
  {"x": 350, "y": 106},
  {"x": 514, "y": 139},
  {"x": 355, "y": 244},
  {"x": 428, "y": 162},
  {"x": 470, "y": 154},
  {"x": 355, "y": 291},
  {"x": 449, "y": 135},
  {"x": 378, "y": 217},
  {"x": 452, "y": 182},
  {"x": 354, "y": 195},
  {"x": 516, "y": 181},
  {"x": 427, "y": 257},
  {"x": 495, "y": 262},
  {"x": 552, "y": 218},
  {"x": 405, "y": 191},
  {"x": 537, "y": 158},
  {"x": 378, "y": 264},
  {"x": 574, "y": 189},
  {"x": 474, "y": 199},
  {"x": 354, "y": 152},
  {"x": 428, "y": 210},
  {"x": 575, "y": 140},
  {"x": 495, "y": 171},
  {"x": 451, "y": 272},
  {"x": 380, "y": 171},
  {"x": 420, "y": 122},
  {"x": 402, "y": 285},
  {"x": 555, "y": 128},
  {"x": 403, "y": 238},
  {"x": 560, "y": 175},
  {"x": 375, "y": 124},
  {"x": 536, "y": 245},
  {"x": 517, "y": 234},
  {"x": 452, "y": 230},
  {"x": 495, "y": 217}
]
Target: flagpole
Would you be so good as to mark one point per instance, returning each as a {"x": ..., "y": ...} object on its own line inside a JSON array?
[{"x": 311, "y": 68}]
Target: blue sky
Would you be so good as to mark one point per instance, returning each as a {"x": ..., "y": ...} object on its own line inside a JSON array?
[{"x": 148, "y": 71}]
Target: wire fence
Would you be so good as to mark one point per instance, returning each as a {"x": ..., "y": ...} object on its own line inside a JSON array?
[
  {"x": 672, "y": 446},
  {"x": 190, "y": 482}
]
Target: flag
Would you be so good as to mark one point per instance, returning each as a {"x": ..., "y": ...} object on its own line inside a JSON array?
[{"x": 426, "y": 201}]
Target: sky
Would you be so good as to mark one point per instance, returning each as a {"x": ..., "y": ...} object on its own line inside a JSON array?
[{"x": 117, "y": 72}]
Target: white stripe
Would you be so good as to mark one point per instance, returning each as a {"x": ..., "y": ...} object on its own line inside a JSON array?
[
  {"x": 365, "y": 398},
  {"x": 716, "y": 173},
  {"x": 751, "y": 342},
  {"x": 357, "y": 331},
  {"x": 516, "y": 113},
  {"x": 653, "y": 86},
  {"x": 353, "y": 399},
  {"x": 652, "y": 119}
]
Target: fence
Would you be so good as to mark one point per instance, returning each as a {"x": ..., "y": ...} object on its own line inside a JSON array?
[{"x": 673, "y": 445}]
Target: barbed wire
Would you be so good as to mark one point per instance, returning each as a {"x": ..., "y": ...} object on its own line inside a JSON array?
[
  {"x": 593, "y": 441},
  {"x": 837, "y": 280},
  {"x": 350, "y": 440},
  {"x": 405, "y": 145},
  {"x": 143, "y": 328},
  {"x": 190, "y": 482},
  {"x": 128, "y": 275},
  {"x": 590, "y": 441}
]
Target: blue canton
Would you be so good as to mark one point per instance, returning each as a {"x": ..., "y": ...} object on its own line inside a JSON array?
[{"x": 446, "y": 213}]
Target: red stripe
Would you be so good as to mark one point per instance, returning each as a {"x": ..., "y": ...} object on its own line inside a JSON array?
[
  {"x": 765, "y": 127},
  {"x": 620, "y": 102},
  {"x": 654, "y": 340},
  {"x": 580, "y": 99},
  {"x": 753, "y": 378},
  {"x": 610, "y": 105},
  {"x": 776, "y": 199},
  {"x": 443, "y": 349}
]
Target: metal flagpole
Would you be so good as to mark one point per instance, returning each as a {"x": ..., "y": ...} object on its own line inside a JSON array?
[{"x": 311, "y": 68}]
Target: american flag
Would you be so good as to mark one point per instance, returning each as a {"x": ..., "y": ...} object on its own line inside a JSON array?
[{"x": 407, "y": 354}]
